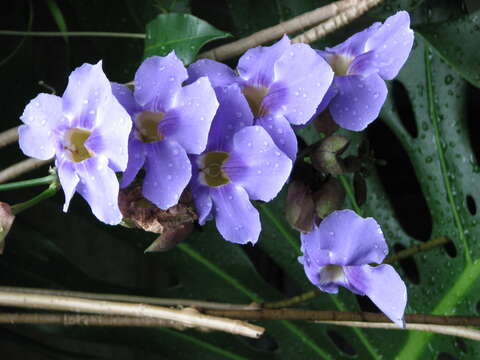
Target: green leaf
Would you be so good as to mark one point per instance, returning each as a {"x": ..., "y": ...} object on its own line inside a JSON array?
[
  {"x": 58, "y": 17},
  {"x": 183, "y": 33},
  {"x": 457, "y": 43}
]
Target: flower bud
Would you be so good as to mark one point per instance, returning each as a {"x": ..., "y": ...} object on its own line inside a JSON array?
[
  {"x": 6, "y": 221},
  {"x": 300, "y": 206},
  {"x": 326, "y": 156},
  {"x": 324, "y": 123},
  {"x": 173, "y": 224},
  {"x": 329, "y": 197}
]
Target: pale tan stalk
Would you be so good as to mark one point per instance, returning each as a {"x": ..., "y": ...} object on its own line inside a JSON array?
[
  {"x": 459, "y": 331},
  {"x": 267, "y": 35},
  {"x": 8, "y": 137},
  {"x": 186, "y": 317},
  {"x": 336, "y": 22},
  {"x": 21, "y": 168}
]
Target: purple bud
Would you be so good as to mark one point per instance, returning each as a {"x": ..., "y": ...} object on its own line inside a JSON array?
[
  {"x": 300, "y": 206},
  {"x": 329, "y": 197}
]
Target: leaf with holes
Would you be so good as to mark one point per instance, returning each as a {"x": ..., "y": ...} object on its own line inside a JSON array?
[
  {"x": 183, "y": 33},
  {"x": 435, "y": 136},
  {"x": 462, "y": 55}
]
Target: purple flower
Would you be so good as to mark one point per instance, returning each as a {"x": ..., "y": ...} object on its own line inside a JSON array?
[
  {"x": 87, "y": 130},
  {"x": 338, "y": 252},
  {"x": 283, "y": 84},
  {"x": 361, "y": 64},
  {"x": 241, "y": 162},
  {"x": 169, "y": 122}
]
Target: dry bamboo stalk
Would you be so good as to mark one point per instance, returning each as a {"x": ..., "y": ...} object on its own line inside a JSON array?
[
  {"x": 21, "y": 168},
  {"x": 336, "y": 22},
  {"x": 186, "y": 317},
  {"x": 264, "y": 36},
  {"x": 85, "y": 320}
]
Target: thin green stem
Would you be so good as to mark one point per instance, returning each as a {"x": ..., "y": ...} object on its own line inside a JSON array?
[
  {"x": 27, "y": 183},
  {"x": 351, "y": 196},
  {"x": 49, "y": 192},
  {"x": 72, "y": 34}
]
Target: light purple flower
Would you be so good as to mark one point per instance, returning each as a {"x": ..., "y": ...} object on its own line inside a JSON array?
[
  {"x": 283, "y": 84},
  {"x": 87, "y": 130},
  {"x": 241, "y": 162},
  {"x": 169, "y": 122},
  {"x": 361, "y": 64},
  {"x": 338, "y": 253}
]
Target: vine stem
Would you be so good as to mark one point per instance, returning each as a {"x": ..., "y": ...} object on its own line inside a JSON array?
[
  {"x": 72, "y": 34},
  {"x": 49, "y": 192},
  {"x": 21, "y": 168},
  {"x": 189, "y": 318},
  {"x": 27, "y": 183},
  {"x": 439, "y": 241}
]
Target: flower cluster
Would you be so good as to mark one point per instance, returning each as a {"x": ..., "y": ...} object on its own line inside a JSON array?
[{"x": 228, "y": 136}]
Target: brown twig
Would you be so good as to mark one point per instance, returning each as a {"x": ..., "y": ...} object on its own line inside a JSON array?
[
  {"x": 336, "y": 22},
  {"x": 21, "y": 168},
  {"x": 8, "y": 137},
  {"x": 439, "y": 241},
  {"x": 188, "y": 317},
  {"x": 320, "y": 315},
  {"x": 291, "y": 26}
]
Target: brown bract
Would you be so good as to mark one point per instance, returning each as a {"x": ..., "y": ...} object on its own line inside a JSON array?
[
  {"x": 173, "y": 224},
  {"x": 6, "y": 221}
]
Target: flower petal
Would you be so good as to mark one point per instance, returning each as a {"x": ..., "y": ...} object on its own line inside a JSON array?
[
  {"x": 298, "y": 90},
  {"x": 99, "y": 186},
  {"x": 237, "y": 219},
  {"x": 345, "y": 238},
  {"x": 110, "y": 135},
  {"x": 157, "y": 81},
  {"x": 281, "y": 133},
  {"x": 232, "y": 115},
  {"x": 41, "y": 117},
  {"x": 358, "y": 101},
  {"x": 201, "y": 195},
  {"x": 136, "y": 159},
  {"x": 256, "y": 164},
  {"x": 87, "y": 89},
  {"x": 383, "y": 286},
  {"x": 125, "y": 97},
  {"x": 219, "y": 74},
  {"x": 354, "y": 45},
  {"x": 189, "y": 122},
  {"x": 167, "y": 173},
  {"x": 68, "y": 179},
  {"x": 256, "y": 66},
  {"x": 391, "y": 43}
]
